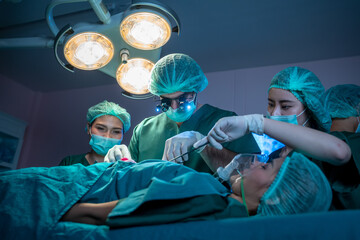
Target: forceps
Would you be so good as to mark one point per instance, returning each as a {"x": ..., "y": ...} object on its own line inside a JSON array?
[{"x": 188, "y": 152}]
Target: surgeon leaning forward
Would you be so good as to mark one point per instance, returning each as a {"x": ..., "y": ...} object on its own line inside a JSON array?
[{"x": 177, "y": 79}]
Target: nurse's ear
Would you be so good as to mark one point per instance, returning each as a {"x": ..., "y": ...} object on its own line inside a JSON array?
[{"x": 88, "y": 126}]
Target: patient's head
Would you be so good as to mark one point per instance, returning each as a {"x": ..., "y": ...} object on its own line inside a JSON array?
[{"x": 287, "y": 185}]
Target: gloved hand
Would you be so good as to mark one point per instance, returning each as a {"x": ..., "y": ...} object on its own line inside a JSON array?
[
  {"x": 228, "y": 129},
  {"x": 118, "y": 152},
  {"x": 180, "y": 144}
]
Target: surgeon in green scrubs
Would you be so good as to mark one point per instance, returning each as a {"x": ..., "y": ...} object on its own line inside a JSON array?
[
  {"x": 177, "y": 79},
  {"x": 106, "y": 124},
  {"x": 343, "y": 104}
]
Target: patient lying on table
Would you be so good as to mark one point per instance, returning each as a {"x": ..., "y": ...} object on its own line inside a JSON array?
[
  {"x": 122, "y": 194},
  {"x": 273, "y": 188}
]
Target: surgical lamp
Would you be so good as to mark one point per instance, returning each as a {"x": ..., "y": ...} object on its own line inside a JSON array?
[
  {"x": 88, "y": 51},
  {"x": 124, "y": 46}
]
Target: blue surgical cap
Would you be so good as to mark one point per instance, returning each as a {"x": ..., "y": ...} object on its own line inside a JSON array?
[
  {"x": 342, "y": 101},
  {"x": 307, "y": 88},
  {"x": 109, "y": 108},
  {"x": 299, "y": 187},
  {"x": 177, "y": 73}
]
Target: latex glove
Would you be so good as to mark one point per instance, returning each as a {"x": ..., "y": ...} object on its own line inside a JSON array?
[
  {"x": 230, "y": 128},
  {"x": 180, "y": 144},
  {"x": 118, "y": 153}
]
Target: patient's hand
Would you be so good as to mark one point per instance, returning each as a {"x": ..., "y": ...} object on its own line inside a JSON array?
[{"x": 90, "y": 213}]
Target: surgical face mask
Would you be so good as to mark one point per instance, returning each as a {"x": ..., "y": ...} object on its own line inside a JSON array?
[
  {"x": 288, "y": 118},
  {"x": 101, "y": 145},
  {"x": 181, "y": 114}
]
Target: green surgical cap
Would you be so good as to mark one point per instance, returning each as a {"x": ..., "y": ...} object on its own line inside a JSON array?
[
  {"x": 307, "y": 88},
  {"x": 342, "y": 101},
  {"x": 299, "y": 187},
  {"x": 177, "y": 73},
  {"x": 109, "y": 108}
]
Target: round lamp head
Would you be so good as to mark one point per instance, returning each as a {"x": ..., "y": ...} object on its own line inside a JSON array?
[
  {"x": 145, "y": 30},
  {"x": 134, "y": 76},
  {"x": 88, "y": 51}
]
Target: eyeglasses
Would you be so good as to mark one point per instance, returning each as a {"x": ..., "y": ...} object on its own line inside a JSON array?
[{"x": 183, "y": 101}]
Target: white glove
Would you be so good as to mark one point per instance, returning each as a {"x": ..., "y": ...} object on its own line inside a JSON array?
[
  {"x": 228, "y": 129},
  {"x": 118, "y": 152},
  {"x": 180, "y": 144}
]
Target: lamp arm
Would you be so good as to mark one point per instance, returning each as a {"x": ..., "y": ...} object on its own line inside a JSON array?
[
  {"x": 26, "y": 42},
  {"x": 97, "y": 5},
  {"x": 49, "y": 13},
  {"x": 101, "y": 11}
]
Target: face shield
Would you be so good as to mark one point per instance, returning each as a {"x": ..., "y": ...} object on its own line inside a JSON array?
[{"x": 243, "y": 164}]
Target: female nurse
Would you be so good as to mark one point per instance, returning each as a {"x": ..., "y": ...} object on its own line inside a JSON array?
[
  {"x": 106, "y": 124},
  {"x": 296, "y": 117},
  {"x": 294, "y": 97}
]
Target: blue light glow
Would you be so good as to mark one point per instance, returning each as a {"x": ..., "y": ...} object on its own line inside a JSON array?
[{"x": 267, "y": 144}]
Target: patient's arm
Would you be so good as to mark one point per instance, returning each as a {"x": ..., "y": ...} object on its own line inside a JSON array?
[
  {"x": 90, "y": 213},
  {"x": 215, "y": 158}
]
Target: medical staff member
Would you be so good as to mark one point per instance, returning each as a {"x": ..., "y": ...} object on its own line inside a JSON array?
[
  {"x": 293, "y": 92},
  {"x": 343, "y": 104},
  {"x": 106, "y": 124},
  {"x": 177, "y": 79},
  {"x": 293, "y": 97}
]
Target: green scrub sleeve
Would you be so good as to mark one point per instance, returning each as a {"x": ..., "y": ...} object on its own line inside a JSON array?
[
  {"x": 74, "y": 159},
  {"x": 133, "y": 145},
  {"x": 345, "y": 179}
]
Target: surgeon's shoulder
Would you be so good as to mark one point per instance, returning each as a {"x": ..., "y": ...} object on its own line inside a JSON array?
[
  {"x": 149, "y": 121},
  {"x": 218, "y": 111}
]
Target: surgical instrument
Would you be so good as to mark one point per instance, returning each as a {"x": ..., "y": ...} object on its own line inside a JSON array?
[{"x": 188, "y": 152}]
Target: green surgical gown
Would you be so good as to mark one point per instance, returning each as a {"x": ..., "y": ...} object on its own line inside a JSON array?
[
  {"x": 74, "y": 159},
  {"x": 149, "y": 136},
  {"x": 345, "y": 179}
]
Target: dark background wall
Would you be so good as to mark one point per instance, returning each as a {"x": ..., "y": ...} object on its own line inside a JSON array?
[{"x": 56, "y": 121}]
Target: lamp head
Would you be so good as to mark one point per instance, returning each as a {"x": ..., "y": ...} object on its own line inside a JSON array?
[
  {"x": 134, "y": 76},
  {"x": 88, "y": 50},
  {"x": 145, "y": 30},
  {"x": 147, "y": 25}
]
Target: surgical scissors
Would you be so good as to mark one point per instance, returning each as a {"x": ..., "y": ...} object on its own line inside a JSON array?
[{"x": 188, "y": 152}]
